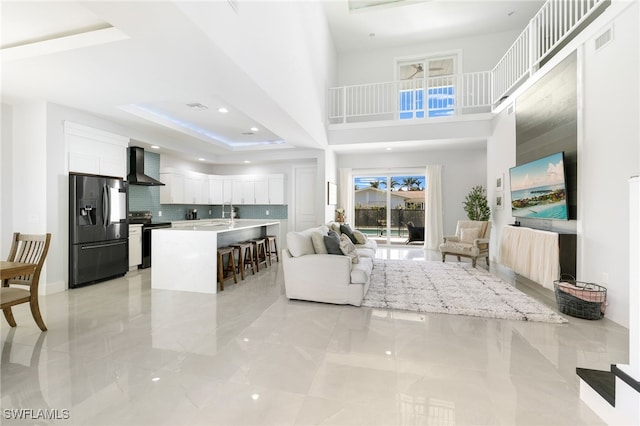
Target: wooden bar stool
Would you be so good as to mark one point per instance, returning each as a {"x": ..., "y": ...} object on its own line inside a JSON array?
[
  {"x": 245, "y": 257},
  {"x": 272, "y": 248},
  {"x": 227, "y": 271},
  {"x": 260, "y": 255}
]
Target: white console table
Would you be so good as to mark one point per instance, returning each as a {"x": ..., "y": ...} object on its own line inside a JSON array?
[{"x": 536, "y": 254}]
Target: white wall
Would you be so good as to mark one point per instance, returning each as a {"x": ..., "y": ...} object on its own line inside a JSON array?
[
  {"x": 462, "y": 169},
  {"x": 501, "y": 155},
  {"x": 608, "y": 154},
  {"x": 480, "y": 53},
  {"x": 608, "y": 157},
  {"x": 6, "y": 179}
]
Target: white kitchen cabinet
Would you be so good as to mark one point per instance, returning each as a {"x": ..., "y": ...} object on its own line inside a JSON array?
[
  {"x": 261, "y": 190},
  {"x": 227, "y": 190},
  {"x": 135, "y": 246},
  {"x": 194, "y": 190},
  {"x": 276, "y": 189},
  {"x": 216, "y": 190},
  {"x": 94, "y": 151},
  {"x": 173, "y": 190}
]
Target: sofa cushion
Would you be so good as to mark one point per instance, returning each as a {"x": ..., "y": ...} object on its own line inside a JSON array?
[
  {"x": 317, "y": 239},
  {"x": 468, "y": 235},
  {"x": 299, "y": 244},
  {"x": 346, "y": 229},
  {"x": 360, "y": 272},
  {"x": 332, "y": 243},
  {"x": 348, "y": 248},
  {"x": 365, "y": 252}
]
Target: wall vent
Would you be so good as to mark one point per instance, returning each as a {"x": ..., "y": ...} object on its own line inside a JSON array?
[{"x": 604, "y": 38}]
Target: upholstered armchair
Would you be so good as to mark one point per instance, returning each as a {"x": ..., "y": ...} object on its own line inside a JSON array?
[{"x": 471, "y": 240}]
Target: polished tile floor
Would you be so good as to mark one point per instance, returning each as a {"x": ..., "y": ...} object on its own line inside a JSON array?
[{"x": 119, "y": 353}]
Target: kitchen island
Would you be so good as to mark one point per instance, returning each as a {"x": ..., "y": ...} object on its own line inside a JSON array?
[{"x": 185, "y": 255}]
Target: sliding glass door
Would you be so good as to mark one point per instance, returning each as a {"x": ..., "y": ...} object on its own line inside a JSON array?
[{"x": 384, "y": 203}]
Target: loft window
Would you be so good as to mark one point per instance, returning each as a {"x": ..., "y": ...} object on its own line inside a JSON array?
[{"x": 434, "y": 74}]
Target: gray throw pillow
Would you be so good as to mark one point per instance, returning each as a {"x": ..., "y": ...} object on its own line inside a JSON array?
[
  {"x": 346, "y": 229},
  {"x": 332, "y": 242}
]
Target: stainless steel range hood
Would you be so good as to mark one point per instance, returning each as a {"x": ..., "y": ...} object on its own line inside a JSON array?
[{"x": 136, "y": 174}]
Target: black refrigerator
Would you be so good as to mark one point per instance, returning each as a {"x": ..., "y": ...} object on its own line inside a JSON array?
[{"x": 98, "y": 229}]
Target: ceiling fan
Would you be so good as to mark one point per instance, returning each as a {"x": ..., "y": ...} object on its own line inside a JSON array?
[{"x": 418, "y": 69}]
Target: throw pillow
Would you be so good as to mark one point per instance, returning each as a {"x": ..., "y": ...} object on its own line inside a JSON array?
[
  {"x": 348, "y": 249},
  {"x": 332, "y": 243},
  {"x": 299, "y": 244},
  {"x": 346, "y": 229},
  {"x": 334, "y": 226},
  {"x": 360, "y": 237},
  {"x": 468, "y": 235},
  {"x": 317, "y": 238}
]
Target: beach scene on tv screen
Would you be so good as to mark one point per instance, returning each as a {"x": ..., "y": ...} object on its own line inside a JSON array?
[{"x": 538, "y": 189}]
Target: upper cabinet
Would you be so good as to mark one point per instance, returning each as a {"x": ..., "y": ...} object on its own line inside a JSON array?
[
  {"x": 196, "y": 188},
  {"x": 184, "y": 187},
  {"x": 96, "y": 152}
]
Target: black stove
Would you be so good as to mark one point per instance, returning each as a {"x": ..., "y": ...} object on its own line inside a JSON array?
[{"x": 146, "y": 219}]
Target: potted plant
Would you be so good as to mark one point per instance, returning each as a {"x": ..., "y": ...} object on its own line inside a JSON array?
[{"x": 476, "y": 205}]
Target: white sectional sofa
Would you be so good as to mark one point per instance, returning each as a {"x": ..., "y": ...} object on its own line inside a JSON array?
[{"x": 310, "y": 273}]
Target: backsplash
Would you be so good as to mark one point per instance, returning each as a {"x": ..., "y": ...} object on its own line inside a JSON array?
[{"x": 142, "y": 198}]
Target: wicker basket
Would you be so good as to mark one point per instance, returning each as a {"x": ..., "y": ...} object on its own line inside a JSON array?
[{"x": 580, "y": 299}]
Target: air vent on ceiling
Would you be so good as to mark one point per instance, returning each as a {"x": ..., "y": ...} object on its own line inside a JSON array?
[
  {"x": 198, "y": 106},
  {"x": 604, "y": 38},
  {"x": 248, "y": 133}
]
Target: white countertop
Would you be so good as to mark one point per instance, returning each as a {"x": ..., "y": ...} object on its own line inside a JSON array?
[{"x": 217, "y": 225}]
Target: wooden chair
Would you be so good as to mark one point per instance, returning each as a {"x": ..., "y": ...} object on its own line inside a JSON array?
[{"x": 25, "y": 249}]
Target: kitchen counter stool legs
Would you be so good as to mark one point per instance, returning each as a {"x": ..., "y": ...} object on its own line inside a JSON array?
[
  {"x": 245, "y": 257},
  {"x": 260, "y": 252},
  {"x": 228, "y": 271},
  {"x": 272, "y": 248}
]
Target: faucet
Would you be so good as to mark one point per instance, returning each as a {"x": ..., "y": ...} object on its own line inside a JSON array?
[{"x": 230, "y": 212}]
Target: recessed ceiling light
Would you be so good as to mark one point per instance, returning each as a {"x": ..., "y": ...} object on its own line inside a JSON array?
[
  {"x": 198, "y": 106},
  {"x": 155, "y": 379},
  {"x": 223, "y": 110},
  {"x": 388, "y": 148},
  {"x": 254, "y": 129},
  {"x": 255, "y": 396},
  {"x": 246, "y": 161},
  {"x": 200, "y": 159},
  {"x": 155, "y": 147}
]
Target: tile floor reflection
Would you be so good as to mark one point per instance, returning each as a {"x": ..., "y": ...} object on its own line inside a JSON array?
[{"x": 119, "y": 353}]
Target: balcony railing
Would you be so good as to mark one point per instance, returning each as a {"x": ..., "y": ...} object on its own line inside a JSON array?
[{"x": 554, "y": 24}]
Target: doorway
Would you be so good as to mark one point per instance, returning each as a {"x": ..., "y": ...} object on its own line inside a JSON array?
[{"x": 384, "y": 203}]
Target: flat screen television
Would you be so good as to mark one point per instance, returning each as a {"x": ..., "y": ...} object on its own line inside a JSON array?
[{"x": 538, "y": 189}]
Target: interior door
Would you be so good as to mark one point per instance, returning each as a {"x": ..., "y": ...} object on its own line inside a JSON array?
[{"x": 305, "y": 194}]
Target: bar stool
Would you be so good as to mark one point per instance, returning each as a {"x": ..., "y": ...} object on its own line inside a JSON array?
[
  {"x": 245, "y": 257},
  {"x": 227, "y": 271},
  {"x": 260, "y": 255},
  {"x": 272, "y": 248}
]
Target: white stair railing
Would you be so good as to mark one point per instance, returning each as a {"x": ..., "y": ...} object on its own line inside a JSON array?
[{"x": 554, "y": 23}]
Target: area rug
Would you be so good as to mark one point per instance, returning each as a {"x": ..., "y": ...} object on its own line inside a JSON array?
[{"x": 450, "y": 288}]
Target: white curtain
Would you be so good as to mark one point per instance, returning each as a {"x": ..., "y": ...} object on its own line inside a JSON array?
[
  {"x": 345, "y": 193},
  {"x": 433, "y": 208}
]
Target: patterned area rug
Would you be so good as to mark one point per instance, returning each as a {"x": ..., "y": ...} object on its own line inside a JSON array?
[{"x": 450, "y": 288}]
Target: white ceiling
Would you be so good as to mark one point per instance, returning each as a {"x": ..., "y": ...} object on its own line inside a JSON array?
[{"x": 140, "y": 63}]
